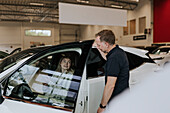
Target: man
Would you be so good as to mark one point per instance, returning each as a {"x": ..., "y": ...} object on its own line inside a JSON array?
[{"x": 117, "y": 67}]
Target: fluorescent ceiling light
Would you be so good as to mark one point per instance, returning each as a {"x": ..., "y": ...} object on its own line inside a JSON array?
[
  {"x": 116, "y": 6},
  {"x": 83, "y": 1},
  {"x": 37, "y": 4},
  {"x": 135, "y": 0}
]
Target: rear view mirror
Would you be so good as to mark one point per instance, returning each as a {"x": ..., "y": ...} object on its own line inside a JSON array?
[{"x": 1, "y": 97}]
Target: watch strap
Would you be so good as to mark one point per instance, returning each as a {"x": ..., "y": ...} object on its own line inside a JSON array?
[{"x": 101, "y": 106}]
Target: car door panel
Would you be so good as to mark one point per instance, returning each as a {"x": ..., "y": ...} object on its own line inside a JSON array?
[
  {"x": 140, "y": 73},
  {"x": 95, "y": 92},
  {"x": 11, "y": 106}
]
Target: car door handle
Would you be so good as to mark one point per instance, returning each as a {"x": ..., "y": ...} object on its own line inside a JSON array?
[{"x": 81, "y": 103}]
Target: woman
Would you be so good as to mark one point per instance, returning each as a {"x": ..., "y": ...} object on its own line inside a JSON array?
[
  {"x": 65, "y": 65},
  {"x": 62, "y": 85},
  {"x": 56, "y": 86}
]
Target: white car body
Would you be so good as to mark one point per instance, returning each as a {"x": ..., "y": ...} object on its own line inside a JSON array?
[
  {"x": 89, "y": 93},
  {"x": 151, "y": 96}
]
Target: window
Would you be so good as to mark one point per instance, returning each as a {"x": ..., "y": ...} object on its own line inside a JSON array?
[
  {"x": 142, "y": 24},
  {"x": 95, "y": 64},
  {"x": 46, "y": 81},
  {"x": 14, "y": 59},
  {"x": 3, "y": 54},
  {"x": 135, "y": 61},
  {"x": 133, "y": 26},
  {"x": 161, "y": 51},
  {"x": 125, "y": 29},
  {"x": 46, "y": 33}
]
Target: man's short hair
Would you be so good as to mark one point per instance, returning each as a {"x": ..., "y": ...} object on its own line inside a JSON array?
[{"x": 107, "y": 36}]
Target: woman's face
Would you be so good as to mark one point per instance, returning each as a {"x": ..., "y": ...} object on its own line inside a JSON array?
[{"x": 65, "y": 64}]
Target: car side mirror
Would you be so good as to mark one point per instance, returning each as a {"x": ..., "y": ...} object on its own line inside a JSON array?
[{"x": 1, "y": 97}]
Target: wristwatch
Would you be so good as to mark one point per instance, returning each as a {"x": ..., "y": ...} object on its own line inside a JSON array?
[{"x": 101, "y": 106}]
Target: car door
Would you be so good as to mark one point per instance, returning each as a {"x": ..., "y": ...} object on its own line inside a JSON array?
[
  {"x": 139, "y": 65},
  {"x": 95, "y": 80},
  {"x": 37, "y": 86}
]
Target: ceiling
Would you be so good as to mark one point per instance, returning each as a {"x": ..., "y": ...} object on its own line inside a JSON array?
[{"x": 47, "y": 10}]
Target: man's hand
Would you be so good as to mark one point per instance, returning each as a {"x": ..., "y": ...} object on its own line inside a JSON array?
[{"x": 100, "y": 110}]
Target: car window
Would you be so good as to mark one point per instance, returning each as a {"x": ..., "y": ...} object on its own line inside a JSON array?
[
  {"x": 13, "y": 59},
  {"x": 41, "y": 82},
  {"x": 161, "y": 51},
  {"x": 3, "y": 54},
  {"x": 135, "y": 60},
  {"x": 95, "y": 64}
]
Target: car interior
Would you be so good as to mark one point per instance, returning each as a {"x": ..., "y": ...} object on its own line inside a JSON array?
[{"x": 40, "y": 82}]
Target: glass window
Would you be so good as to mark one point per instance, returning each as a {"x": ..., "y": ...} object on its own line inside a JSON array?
[
  {"x": 14, "y": 59},
  {"x": 49, "y": 80},
  {"x": 95, "y": 64},
  {"x": 161, "y": 51},
  {"x": 46, "y": 33},
  {"x": 3, "y": 54},
  {"x": 135, "y": 60}
]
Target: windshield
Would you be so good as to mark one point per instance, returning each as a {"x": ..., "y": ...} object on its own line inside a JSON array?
[
  {"x": 3, "y": 54},
  {"x": 160, "y": 51},
  {"x": 13, "y": 59}
]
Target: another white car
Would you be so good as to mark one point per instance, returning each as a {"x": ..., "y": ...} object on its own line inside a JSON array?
[
  {"x": 161, "y": 55},
  {"x": 151, "y": 96},
  {"x": 31, "y": 83},
  {"x": 160, "y": 52}
]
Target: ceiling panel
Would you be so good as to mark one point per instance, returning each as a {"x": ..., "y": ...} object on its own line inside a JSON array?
[{"x": 47, "y": 10}]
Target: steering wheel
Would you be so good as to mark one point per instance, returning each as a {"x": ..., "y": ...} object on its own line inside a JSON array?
[{"x": 23, "y": 91}]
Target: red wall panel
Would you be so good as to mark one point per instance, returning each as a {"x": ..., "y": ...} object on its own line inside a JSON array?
[{"x": 161, "y": 21}]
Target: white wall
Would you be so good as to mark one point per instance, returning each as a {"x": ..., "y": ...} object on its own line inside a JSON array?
[
  {"x": 13, "y": 34},
  {"x": 69, "y": 33},
  {"x": 88, "y": 31},
  {"x": 143, "y": 9},
  {"x": 10, "y": 36}
]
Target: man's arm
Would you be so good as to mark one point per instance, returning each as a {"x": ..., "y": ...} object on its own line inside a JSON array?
[
  {"x": 108, "y": 90},
  {"x": 102, "y": 54}
]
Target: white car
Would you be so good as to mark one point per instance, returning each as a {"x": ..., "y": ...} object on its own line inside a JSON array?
[
  {"x": 161, "y": 55},
  {"x": 160, "y": 52},
  {"x": 151, "y": 96},
  {"x": 31, "y": 83}
]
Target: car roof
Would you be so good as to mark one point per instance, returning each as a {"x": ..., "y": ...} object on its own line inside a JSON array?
[{"x": 139, "y": 52}]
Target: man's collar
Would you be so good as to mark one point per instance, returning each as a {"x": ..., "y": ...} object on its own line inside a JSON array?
[{"x": 110, "y": 52}]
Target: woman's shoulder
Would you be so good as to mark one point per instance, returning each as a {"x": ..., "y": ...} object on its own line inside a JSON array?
[{"x": 71, "y": 71}]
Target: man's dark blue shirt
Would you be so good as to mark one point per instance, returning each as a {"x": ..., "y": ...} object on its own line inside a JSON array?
[{"x": 117, "y": 66}]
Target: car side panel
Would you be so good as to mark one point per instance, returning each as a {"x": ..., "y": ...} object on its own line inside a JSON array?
[
  {"x": 140, "y": 73},
  {"x": 9, "y": 106}
]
